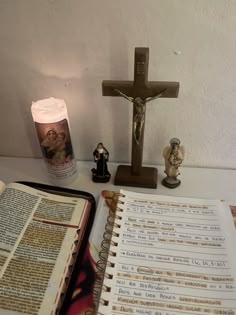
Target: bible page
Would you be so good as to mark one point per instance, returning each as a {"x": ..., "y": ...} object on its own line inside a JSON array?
[
  {"x": 16, "y": 209},
  {"x": 45, "y": 230},
  {"x": 170, "y": 256}
]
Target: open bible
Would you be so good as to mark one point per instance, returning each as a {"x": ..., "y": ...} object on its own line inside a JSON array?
[
  {"x": 168, "y": 255},
  {"x": 43, "y": 235}
]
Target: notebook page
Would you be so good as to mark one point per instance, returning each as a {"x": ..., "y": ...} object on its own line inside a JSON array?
[{"x": 174, "y": 256}]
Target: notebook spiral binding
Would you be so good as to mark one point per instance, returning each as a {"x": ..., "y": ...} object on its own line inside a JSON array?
[{"x": 115, "y": 214}]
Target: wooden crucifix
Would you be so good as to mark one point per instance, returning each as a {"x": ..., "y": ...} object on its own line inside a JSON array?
[{"x": 139, "y": 92}]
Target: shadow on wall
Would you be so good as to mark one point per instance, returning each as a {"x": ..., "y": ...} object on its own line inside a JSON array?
[{"x": 119, "y": 64}]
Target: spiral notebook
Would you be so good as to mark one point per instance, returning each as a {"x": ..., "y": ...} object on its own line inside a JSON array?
[{"x": 168, "y": 255}]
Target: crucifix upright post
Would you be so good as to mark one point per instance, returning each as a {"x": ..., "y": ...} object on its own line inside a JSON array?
[{"x": 139, "y": 92}]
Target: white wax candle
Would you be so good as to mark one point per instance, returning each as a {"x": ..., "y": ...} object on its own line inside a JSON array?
[{"x": 52, "y": 126}]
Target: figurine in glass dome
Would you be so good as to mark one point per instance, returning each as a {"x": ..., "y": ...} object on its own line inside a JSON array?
[
  {"x": 174, "y": 156},
  {"x": 101, "y": 156}
]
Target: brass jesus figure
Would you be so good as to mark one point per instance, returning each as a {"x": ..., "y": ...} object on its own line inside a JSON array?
[
  {"x": 139, "y": 92},
  {"x": 140, "y": 109}
]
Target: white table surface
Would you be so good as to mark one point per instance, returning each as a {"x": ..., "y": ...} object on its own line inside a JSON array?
[{"x": 195, "y": 182}]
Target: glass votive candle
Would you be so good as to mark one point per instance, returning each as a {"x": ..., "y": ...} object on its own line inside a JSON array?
[{"x": 52, "y": 126}]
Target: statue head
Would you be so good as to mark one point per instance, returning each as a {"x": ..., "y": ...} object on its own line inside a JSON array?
[
  {"x": 100, "y": 147},
  {"x": 174, "y": 143}
]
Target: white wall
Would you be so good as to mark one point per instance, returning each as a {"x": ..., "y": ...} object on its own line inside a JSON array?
[{"x": 65, "y": 48}]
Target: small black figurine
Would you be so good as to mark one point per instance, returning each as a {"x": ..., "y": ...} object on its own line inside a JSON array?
[{"x": 101, "y": 174}]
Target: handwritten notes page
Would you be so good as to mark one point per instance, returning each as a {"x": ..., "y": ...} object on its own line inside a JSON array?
[{"x": 174, "y": 256}]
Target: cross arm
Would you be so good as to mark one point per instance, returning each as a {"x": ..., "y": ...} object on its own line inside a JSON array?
[
  {"x": 109, "y": 87},
  {"x": 153, "y": 88}
]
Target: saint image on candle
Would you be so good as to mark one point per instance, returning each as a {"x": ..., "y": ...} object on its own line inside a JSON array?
[
  {"x": 55, "y": 142},
  {"x": 52, "y": 126}
]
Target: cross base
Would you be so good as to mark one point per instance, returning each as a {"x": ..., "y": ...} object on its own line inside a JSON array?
[{"x": 146, "y": 179}]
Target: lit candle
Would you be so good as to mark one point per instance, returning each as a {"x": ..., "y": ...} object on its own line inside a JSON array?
[{"x": 52, "y": 126}]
